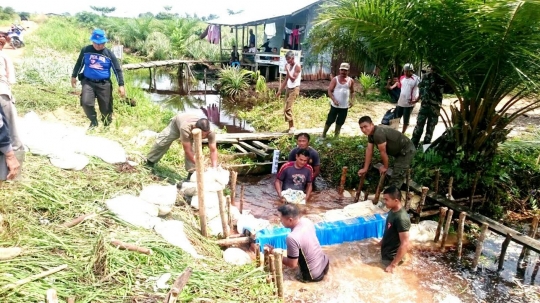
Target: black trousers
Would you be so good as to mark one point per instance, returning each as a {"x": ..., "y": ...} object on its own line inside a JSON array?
[
  {"x": 337, "y": 115},
  {"x": 102, "y": 91}
]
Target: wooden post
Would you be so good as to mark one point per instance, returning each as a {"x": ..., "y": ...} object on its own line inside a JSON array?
[
  {"x": 260, "y": 256},
  {"x": 71, "y": 300},
  {"x": 407, "y": 198},
  {"x": 220, "y": 47},
  {"x": 150, "y": 85},
  {"x": 278, "y": 256},
  {"x": 461, "y": 226},
  {"x": 532, "y": 234},
  {"x": 266, "y": 259},
  {"x": 379, "y": 189},
  {"x": 223, "y": 214},
  {"x": 178, "y": 285},
  {"x": 422, "y": 201},
  {"x": 366, "y": 193},
  {"x": 446, "y": 228},
  {"x": 437, "y": 176},
  {"x": 229, "y": 217},
  {"x": 450, "y": 182},
  {"x": 442, "y": 216},
  {"x": 471, "y": 198},
  {"x": 52, "y": 296},
  {"x": 257, "y": 248},
  {"x": 360, "y": 185},
  {"x": 343, "y": 179},
  {"x": 241, "y": 199},
  {"x": 131, "y": 247},
  {"x": 479, "y": 246},
  {"x": 234, "y": 176},
  {"x": 503, "y": 251},
  {"x": 199, "y": 162},
  {"x": 233, "y": 241},
  {"x": 272, "y": 269}
]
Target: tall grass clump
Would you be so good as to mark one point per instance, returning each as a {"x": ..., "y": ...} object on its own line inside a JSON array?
[
  {"x": 367, "y": 82},
  {"x": 60, "y": 34}
]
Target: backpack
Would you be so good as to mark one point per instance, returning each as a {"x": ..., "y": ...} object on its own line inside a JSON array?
[{"x": 388, "y": 116}]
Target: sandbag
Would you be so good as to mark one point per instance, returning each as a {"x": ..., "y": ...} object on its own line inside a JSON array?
[
  {"x": 215, "y": 179},
  {"x": 164, "y": 196},
  {"x": 142, "y": 138},
  {"x": 173, "y": 232},
  {"x": 71, "y": 161},
  {"x": 236, "y": 256},
  {"x": 134, "y": 210},
  {"x": 294, "y": 196}
]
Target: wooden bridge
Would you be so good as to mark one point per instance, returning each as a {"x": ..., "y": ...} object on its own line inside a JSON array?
[{"x": 166, "y": 63}]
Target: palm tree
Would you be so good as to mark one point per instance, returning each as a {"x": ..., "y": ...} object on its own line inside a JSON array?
[{"x": 488, "y": 51}]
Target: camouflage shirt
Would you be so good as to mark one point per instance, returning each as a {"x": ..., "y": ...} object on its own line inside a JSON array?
[
  {"x": 431, "y": 89},
  {"x": 396, "y": 143}
]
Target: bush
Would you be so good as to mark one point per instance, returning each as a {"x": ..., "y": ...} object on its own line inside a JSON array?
[{"x": 367, "y": 82}]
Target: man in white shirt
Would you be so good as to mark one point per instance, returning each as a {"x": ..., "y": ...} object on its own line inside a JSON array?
[{"x": 408, "y": 96}]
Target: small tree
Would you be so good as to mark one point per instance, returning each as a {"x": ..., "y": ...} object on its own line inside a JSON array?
[{"x": 103, "y": 9}]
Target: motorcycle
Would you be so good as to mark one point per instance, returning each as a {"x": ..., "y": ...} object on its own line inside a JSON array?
[{"x": 16, "y": 36}]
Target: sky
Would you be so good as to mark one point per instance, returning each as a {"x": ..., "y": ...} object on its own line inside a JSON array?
[{"x": 132, "y": 8}]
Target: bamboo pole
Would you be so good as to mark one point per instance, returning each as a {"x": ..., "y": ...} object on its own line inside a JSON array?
[
  {"x": 450, "y": 182},
  {"x": 342, "y": 180},
  {"x": 532, "y": 234},
  {"x": 51, "y": 296},
  {"x": 78, "y": 220},
  {"x": 234, "y": 176},
  {"x": 223, "y": 214},
  {"x": 442, "y": 216},
  {"x": 422, "y": 200},
  {"x": 233, "y": 241},
  {"x": 446, "y": 228},
  {"x": 461, "y": 226},
  {"x": 34, "y": 277},
  {"x": 266, "y": 259},
  {"x": 503, "y": 251},
  {"x": 131, "y": 247},
  {"x": 479, "y": 246},
  {"x": 360, "y": 185},
  {"x": 257, "y": 249},
  {"x": 241, "y": 199},
  {"x": 178, "y": 285},
  {"x": 261, "y": 259},
  {"x": 437, "y": 176},
  {"x": 272, "y": 268},
  {"x": 471, "y": 198},
  {"x": 278, "y": 256},
  {"x": 379, "y": 189},
  {"x": 229, "y": 217},
  {"x": 199, "y": 162},
  {"x": 71, "y": 300}
]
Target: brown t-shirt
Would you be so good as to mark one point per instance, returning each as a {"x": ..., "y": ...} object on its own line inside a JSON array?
[
  {"x": 396, "y": 142},
  {"x": 186, "y": 123},
  {"x": 302, "y": 244}
]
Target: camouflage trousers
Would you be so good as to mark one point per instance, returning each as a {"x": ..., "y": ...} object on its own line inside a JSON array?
[{"x": 429, "y": 113}]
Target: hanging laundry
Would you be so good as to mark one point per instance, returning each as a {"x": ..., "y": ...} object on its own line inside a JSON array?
[
  {"x": 213, "y": 34},
  {"x": 270, "y": 30},
  {"x": 292, "y": 36}
]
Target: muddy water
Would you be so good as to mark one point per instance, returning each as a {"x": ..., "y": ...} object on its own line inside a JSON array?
[{"x": 427, "y": 275}]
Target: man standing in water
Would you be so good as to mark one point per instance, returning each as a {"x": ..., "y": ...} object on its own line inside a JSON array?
[
  {"x": 292, "y": 81},
  {"x": 297, "y": 175},
  {"x": 395, "y": 241},
  {"x": 302, "y": 142},
  {"x": 303, "y": 247}
]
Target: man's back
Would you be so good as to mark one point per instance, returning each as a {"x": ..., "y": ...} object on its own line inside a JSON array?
[
  {"x": 302, "y": 243},
  {"x": 396, "y": 142}
]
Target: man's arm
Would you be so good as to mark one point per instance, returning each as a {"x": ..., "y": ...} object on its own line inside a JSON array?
[
  {"x": 384, "y": 157},
  {"x": 367, "y": 161},
  {"x": 277, "y": 186},
  {"x": 290, "y": 262},
  {"x": 284, "y": 83},
  {"x": 188, "y": 151},
  {"x": 296, "y": 72},
  {"x": 77, "y": 68},
  {"x": 309, "y": 188},
  {"x": 331, "y": 88},
  {"x": 351, "y": 95},
  {"x": 118, "y": 73},
  {"x": 213, "y": 154},
  {"x": 316, "y": 171},
  {"x": 402, "y": 250}
]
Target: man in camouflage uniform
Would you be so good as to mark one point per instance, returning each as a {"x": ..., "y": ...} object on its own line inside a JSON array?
[{"x": 431, "y": 96}]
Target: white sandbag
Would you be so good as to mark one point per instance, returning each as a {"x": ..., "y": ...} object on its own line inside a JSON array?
[
  {"x": 164, "y": 196},
  {"x": 236, "y": 256},
  {"x": 294, "y": 196},
  {"x": 346, "y": 194},
  {"x": 250, "y": 223},
  {"x": 215, "y": 227},
  {"x": 188, "y": 189},
  {"x": 424, "y": 231},
  {"x": 210, "y": 200},
  {"x": 173, "y": 232},
  {"x": 335, "y": 215},
  {"x": 143, "y": 137},
  {"x": 360, "y": 209},
  {"x": 134, "y": 210},
  {"x": 109, "y": 151},
  {"x": 71, "y": 161},
  {"x": 235, "y": 213},
  {"x": 215, "y": 179}
]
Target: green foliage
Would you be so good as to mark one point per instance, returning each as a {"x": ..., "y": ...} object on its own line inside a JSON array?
[
  {"x": 157, "y": 46},
  {"x": 367, "y": 81},
  {"x": 68, "y": 37},
  {"x": 88, "y": 19},
  {"x": 103, "y": 9},
  {"x": 233, "y": 81},
  {"x": 7, "y": 13}
]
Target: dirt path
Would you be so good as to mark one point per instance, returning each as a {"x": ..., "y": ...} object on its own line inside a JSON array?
[{"x": 17, "y": 54}]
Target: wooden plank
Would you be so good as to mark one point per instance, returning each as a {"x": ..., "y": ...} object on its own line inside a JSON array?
[
  {"x": 240, "y": 148},
  {"x": 253, "y": 149},
  {"x": 493, "y": 225},
  {"x": 262, "y": 145}
]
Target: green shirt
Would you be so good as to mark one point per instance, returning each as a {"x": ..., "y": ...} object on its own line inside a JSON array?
[
  {"x": 396, "y": 222},
  {"x": 396, "y": 142}
]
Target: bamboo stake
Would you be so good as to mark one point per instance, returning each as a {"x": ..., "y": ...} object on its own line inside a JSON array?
[
  {"x": 261, "y": 259},
  {"x": 233, "y": 241},
  {"x": 35, "y": 277},
  {"x": 360, "y": 185},
  {"x": 442, "y": 216},
  {"x": 422, "y": 200},
  {"x": 131, "y": 247},
  {"x": 199, "y": 162},
  {"x": 342, "y": 180},
  {"x": 78, "y": 220},
  {"x": 407, "y": 198},
  {"x": 266, "y": 259},
  {"x": 446, "y": 228},
  {"x": 178, "y": 285},
  {"x": 480, "y": 246},
  {"x": 241, "y": 199},
  {"x": 379, "y": 189},
  {"x": 272, "y": 265},
  {"x": 461, "y": 226},
  {"x": 450, "y": 182},
  {"x": 532, "y": 234},
  {"x": 437, "y": 176},
  {"x": 503, "y": 251},
  {"x": 52, "y": 296},
  {"x": 257, "y": 249},
  {"x": 234, "y": 176},
  {"x": 229, "y": 217},
  {"x": 223, "y": 214},
  {"x": 71, "y": 300},
  {"x": 279, "y": 271},
  {"x": 471, "y": 198},
  {"x": 366, "y": 193}
]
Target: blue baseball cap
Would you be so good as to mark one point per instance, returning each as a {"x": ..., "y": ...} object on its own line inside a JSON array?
[{"x": 98, "y": 36}]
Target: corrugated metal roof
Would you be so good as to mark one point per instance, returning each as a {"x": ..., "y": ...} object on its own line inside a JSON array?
[{"x": 259, "y": 14}]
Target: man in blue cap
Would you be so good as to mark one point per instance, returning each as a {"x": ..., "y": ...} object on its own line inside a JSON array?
[{"x": 93, "y": 69}]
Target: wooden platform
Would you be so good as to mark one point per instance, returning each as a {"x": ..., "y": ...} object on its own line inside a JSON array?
[
  {"x": 153, "y": 64},
  {"x": 493, "y": 225}
]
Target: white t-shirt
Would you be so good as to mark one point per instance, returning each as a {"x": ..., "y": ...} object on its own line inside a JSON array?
[
  {"x": 342, "y": 93},
  {"x": 409, "y": 91}
]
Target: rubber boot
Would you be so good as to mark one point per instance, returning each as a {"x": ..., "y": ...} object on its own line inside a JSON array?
[
  {"x": 326, "y": 127},
  {"x": 337, "y": 131},
  {"x": 90, "y": 112}
]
